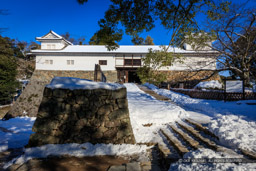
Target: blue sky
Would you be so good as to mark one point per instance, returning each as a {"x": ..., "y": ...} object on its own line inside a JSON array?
[{"x": 28, "y": 19}]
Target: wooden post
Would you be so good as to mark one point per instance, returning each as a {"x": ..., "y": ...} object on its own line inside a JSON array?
[
  {"x": 243, "y": 90},
  {"x": 225, "y": 89}
]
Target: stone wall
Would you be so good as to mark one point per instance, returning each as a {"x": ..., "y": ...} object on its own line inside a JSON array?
[
  {"x": 47, "y": 75},
  {"x": 189, "y": 78},
  {"x": 28, "y": 102},
  {"x": 81, "y": 115},
  {"x": 179, "y": 76}
]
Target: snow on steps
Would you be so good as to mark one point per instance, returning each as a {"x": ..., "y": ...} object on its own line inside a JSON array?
[
  {"x": 202, "y": 128},
  {"x": 152, "y": 93},
  {"x": 195, "y": 136}
]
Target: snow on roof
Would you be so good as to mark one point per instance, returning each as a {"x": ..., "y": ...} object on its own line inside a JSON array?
[
  {"x": 57, "y": 37},
  {"x": 77, "y": 83},
  {"x": 121, "y": 49},
  {"x": 55, "y": 34}
]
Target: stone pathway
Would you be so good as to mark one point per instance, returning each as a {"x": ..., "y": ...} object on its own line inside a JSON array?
[{"x": 152, "y": 93}]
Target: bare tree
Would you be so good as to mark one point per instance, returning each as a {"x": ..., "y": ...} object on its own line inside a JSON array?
[{"x": 235, "y": 39}]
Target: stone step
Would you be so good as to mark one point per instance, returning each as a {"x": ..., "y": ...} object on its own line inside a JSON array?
[
  {"x": 166, "y": 156},
  {"x": 134, "y": 166},
  {"x": 248, "y": 153},
  {"x": 193, "y": 143},
  {"x": 152, "y": 93},
  {"x": 181, "y": 149},
  {"x": 195, "y": 133},
  {"x": 202, "y": 128}
]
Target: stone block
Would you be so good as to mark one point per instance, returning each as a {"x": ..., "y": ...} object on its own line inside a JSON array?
[
  {"x": 119, "y": 114},
  {"x": 45, "y": 126},
  {"x": 119, "y": 93},
  {"x": 97, "y": 135},
  {"x": 135, "y": 166},
  {"x": 81, "y": 123},
  {"x": 110, "y": 134},
  {"x": 40, "y": 139},
  {"x": 122, "y": 103},
  {"x": 59, "y": 93},
  {"x": 117, "y": 168},
  {"x": 82, "y": 100},
  {"x": 47, "y": 92},
  {"x": 106, "y": 109}
]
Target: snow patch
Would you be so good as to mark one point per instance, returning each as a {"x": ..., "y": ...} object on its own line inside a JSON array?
[
  {"x": 77, "y": 83},
  {"x": 209, "y": 154},
  {"x": 209, "y": 84},
  {"x": 209, "y": 107},
  {"x": 234, "y": 131},
  {"x": 15, "y": 132}
]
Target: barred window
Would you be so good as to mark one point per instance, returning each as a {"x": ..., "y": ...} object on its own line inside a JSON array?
[
  {"x": 70, "y": 62},
  {"x": 49, "y": 62},
  {"x": 201, "y": 63},
  {"x": 103, "y": 62},
  {"x": 130, "y": 62}
]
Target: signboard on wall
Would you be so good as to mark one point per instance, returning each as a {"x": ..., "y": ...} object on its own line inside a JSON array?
[{"x": 234, "y": 86}]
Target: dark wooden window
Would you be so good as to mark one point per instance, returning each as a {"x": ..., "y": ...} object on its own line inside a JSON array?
[
  {"x": 103, "y": 62},
  {"x": 137, "y": 62},
  {"x": 131, "y": 62},
  {"x": 128, "y": 62}
]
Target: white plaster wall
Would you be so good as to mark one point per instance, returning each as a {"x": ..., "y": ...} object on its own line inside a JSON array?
[
  {"x": 189, "y": 47},
  {"x": 193, "y": 63},
  {"x": 83, "y": 63},
  {"x": 87, "y": 62},
  {"x": 58, "y": 44}
]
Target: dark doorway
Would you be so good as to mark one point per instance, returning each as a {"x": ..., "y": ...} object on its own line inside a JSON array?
[
  {"x": 126, "y": 75},
  {"x": 133, "y": 77}
]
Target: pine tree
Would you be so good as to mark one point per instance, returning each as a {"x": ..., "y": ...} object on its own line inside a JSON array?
[
  {"x": 8, "y": 83},
  {"x": 149, "y": 41}
]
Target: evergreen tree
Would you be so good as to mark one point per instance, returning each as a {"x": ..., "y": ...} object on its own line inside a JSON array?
[
  {"x": 8, "y": 83},
  {"x": 136, "y": 40},
  {"x": 95, "y": 41},
  {"x": 149, "y": 41}
]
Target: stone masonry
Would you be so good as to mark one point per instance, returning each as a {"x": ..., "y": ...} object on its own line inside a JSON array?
[
  {"x": 28, "y": 102},
  {"x": 82, "y": 115}
]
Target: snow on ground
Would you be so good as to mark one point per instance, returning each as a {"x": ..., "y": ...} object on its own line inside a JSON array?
[
  {"x": 78, "y": 150},
  {"x": 204, "y": 160},
  {"x": 230, "y": 120},
  {"x": 15, "y": 132},
  {"x": 235, "y": 131},
  {"x": 145, "y": 109},
  {"x": 209, "y": 107},
  {"x": 77, "y": 83},
  {"x": 209, "y": 84}
]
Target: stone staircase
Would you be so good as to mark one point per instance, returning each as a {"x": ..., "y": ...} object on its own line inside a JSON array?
[{"x": 188, "y": 135}]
